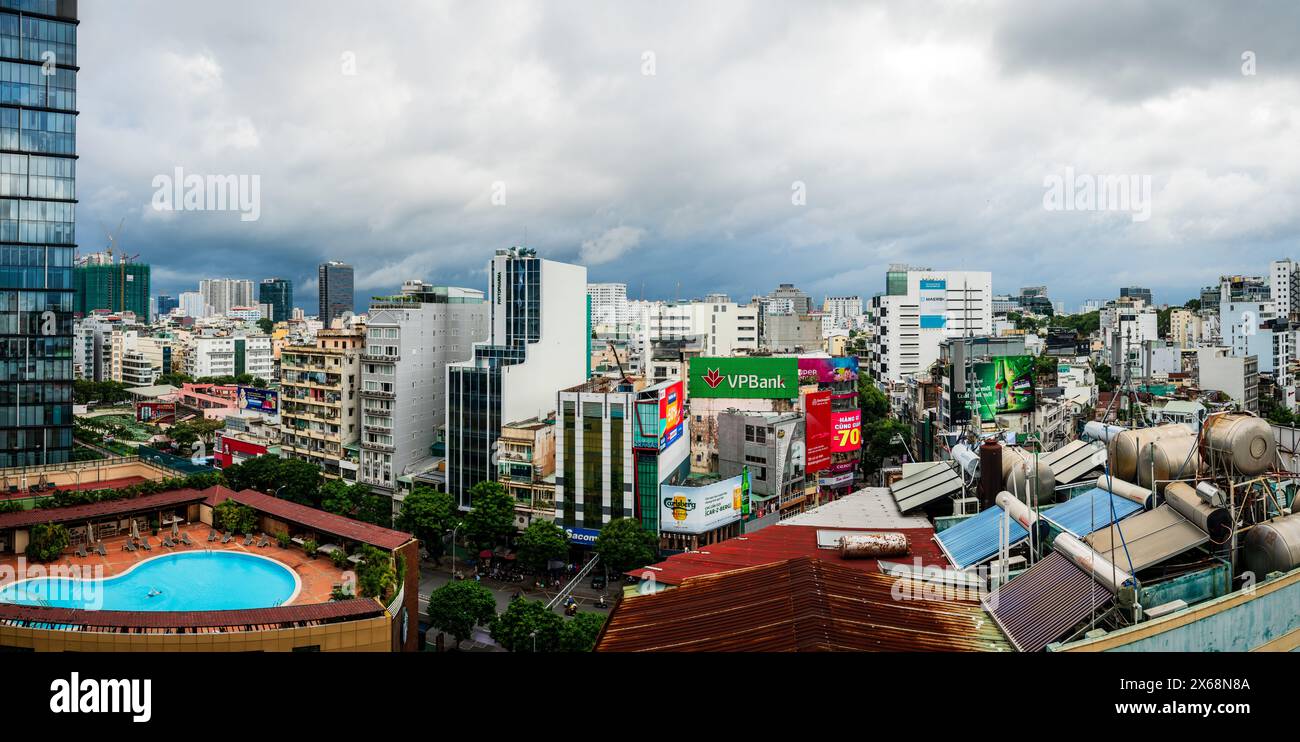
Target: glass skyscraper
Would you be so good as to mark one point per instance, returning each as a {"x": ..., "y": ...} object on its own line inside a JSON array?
[
  {"x": 334, "y": 284},
  {"x": 38, "y": 114},
  {"x": 277, "y": 293}
]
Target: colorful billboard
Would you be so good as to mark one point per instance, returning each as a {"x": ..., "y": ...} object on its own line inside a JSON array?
[
  {"x": 264, "y": 401},
  {"x": 155, "y": 412},
  {"x": 744, "y": 378},
  {"x": 828, "y": 370},
  {"x": 817, "y": 430},
  {"x": 1003, "y": 385},
  {"x": 846, "y": 431},
  {"x": 700, "y": 509},
  {"x": 671, "y": 415}
]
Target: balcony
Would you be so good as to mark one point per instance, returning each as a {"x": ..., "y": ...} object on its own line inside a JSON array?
[
  {"x": 372, "y": 358},
  {"x": 378, "y": 394}
]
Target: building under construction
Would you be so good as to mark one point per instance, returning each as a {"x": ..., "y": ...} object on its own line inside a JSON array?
[{"x": 101, "y": 283}]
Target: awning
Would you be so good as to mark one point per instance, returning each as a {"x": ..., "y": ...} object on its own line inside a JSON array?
[
  {"x": 939, "y": 480},
  {"x": 975, "y": 539},
  {"x": 1074, "y": 461},
  {"x": 1094, "y": 509},
  {"x": 1041, "y": 605},
  {"x": 1147, "y": 539}
]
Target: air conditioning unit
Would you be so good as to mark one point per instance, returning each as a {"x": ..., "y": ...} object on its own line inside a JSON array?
[{"x": 965, "y": 506}]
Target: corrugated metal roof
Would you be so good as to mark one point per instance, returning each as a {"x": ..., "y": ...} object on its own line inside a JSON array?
[
  {"x": 1075, "y": 460},
  {"x": 870, "y": 507},
  {"x": 778, "y": 543},
  {"x": 1094, "y": 509},
  {"x": 797, "y": 605},
  {"x": 319, "y": 520},
  {"x": 1148, "y": 539},
  {"x": 976, "y": 539},
  {"x": 102, "y": 509},
  {"x": 926, "y": 486},
  {"x": 1045, "y": 602},
  {"x": 331, "y": 611}
]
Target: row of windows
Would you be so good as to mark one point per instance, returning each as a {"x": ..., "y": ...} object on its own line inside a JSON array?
[
  {"x": 37, "y": 221},
  {"x": 37, "y": 177},
  {"x": 35, "y": 369},
  {"x": 32, "y": 38},
  {"x": 28, "y": 85},
  {"x": 44, "y": 7},
  {"x": 35, "y": 278}
]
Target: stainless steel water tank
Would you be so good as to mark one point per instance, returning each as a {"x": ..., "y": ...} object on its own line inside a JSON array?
[
  {"x": 1244, "y": 442},
  {"x": 1021, "y": 469},
  {"x": 1273, "y": 546}
]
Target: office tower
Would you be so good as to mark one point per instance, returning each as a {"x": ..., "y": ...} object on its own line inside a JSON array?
[
  {"x": 919, "y": 310},
  {"x": 101, "y": 283},
  {"x": 277, "y": 293},
  {"x": 1136, "y": 292},
  {"x": 410, "y": 340},
  {"x": 222, "y": 294},
  {"x": 334, "y": 285},
  {"x": 537, "y": 345},
  {"x": 38, "y": 114},
  {"x": 166, "y": 303}
]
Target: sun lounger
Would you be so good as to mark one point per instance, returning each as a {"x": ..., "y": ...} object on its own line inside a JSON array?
[
  {"x": 229, "y": 535},
  {"x": 248, "y": 539},
  {"x": 81, "y": 550},
  {"x": 185, "y": 539},
  {"x": 212, "y": 534},
  {"x": 99, "y": 548},
  {"x": 129, "y": 545},
  {"x": 144, "y": 544},
  {"x": 264, "y": 541}
]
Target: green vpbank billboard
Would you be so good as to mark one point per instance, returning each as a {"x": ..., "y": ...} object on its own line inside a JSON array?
[{"x": 744, "y": 378}]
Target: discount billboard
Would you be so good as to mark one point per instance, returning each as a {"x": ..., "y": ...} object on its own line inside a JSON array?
[
  {"x": 817, "y": 431},
  {"x": 846, "y": 431}
]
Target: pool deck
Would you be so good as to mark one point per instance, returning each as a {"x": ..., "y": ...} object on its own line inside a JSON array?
[{"x": 317, "y": 576}]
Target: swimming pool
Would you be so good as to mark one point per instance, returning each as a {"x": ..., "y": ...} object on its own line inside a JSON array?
[{"x": 186, "y": 581}]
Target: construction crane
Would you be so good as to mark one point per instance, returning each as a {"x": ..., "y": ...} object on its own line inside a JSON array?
[{"x": 613, "y": 349}]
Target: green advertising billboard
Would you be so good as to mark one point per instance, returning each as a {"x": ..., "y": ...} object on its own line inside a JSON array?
[
  {"x": 1003, "y": 385},
  {"x": 744, "y": 378}
]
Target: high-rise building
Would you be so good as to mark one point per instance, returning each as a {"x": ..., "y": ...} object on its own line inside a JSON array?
[
  {"x": 192, "y": 304},
  {"x": 1136, "y": 292},
  {"x": 334, "y": 286},
  {"x": 538, "y": 345},
  {"x": 919, "y": 310},
  {"x": 221, "y": 294},
  {"x": 38, "y": 115},
  {"x": 118, "y": 287},
  {"x": 320, "y": 399},
  {"x": 608, "y": 303},
  {"x": 842, "y": 309},
  {"x": 786, "y": 299},
  {"x": 166, "y": 303},
  {"x": 410, "y": 340},
  {"x": 276, "y": 293}
]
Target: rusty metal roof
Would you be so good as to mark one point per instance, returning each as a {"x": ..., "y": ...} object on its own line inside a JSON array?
[
  {"x": 796, "y": 605},
  {"x": 233, "y": 620},
  {"x": 317, "y": 520},
  {"x": 102, "y": 509}
]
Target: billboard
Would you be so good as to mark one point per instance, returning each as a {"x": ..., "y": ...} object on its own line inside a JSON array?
[
  {"x": 934, "y": 303},
  {"x": 671, "y": 416},
  {"x": 155, "y": 412},
  {"x": 828, "y": 370},
  {"x": 817, "y": 430},
  {"x": 1003, "y": 385},
  {"x": 700, "y": 509},
  {"x": 581, "y": 536},
  {"x": 846, "y": 431},
  {"x": 259, "y": 400},
  {"x": 744, "y": 378}
]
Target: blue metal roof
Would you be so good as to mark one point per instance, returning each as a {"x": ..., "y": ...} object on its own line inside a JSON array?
[
  {"x": 1090, "y": 511},
  {"x": 975, "y": 539}
]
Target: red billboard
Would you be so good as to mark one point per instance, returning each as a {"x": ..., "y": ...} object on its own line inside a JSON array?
[
  {"x": 817, "y": 430},
  {"x": 155, "y": 412},
  {"x": 846, "y": 431}
]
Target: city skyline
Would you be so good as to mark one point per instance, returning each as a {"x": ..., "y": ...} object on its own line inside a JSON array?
[{"x": 905, "y": 149}]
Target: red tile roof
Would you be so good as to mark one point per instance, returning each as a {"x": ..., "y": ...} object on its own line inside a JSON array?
[
  {"x": 797, "y": 605},
  {"x": 316, "y": 520},
  {"x": 776, "y": 543},
  {"x": 232, "y": 619},
  {"x": 104, "y": 509}
]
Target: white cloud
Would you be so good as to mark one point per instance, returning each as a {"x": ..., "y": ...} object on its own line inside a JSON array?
[{"x": 612, "y": 245}]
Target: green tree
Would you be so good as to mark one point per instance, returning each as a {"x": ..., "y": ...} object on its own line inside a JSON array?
[
  {"x": 355, "y": 501},
  {"x": 290, "y": 479},
  {"x": 266, "y": 326},
  {"x": 492, "y": 514},
  {"x": 623, "y": 545},
  {"x": 428, "y": 514},
  {"x": 873, "y": 402},
  {"x": 376, "y": 576},
  {"x": 47, "y": 542},
  {"x": 879, "y": 442},
  {"x": 1106, "y": 381},
  {"x": 539, "y": 543},
  {"x": 459, "y": 606},
  {"x": 515, "y": 628},
  {"x": 232, "y": 516},
  {"x": 578, "y": 634}
]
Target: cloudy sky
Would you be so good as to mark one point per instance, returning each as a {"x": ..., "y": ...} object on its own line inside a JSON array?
[{"x": 691, "y": 147}]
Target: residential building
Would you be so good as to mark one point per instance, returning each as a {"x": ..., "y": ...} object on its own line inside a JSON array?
[
  {"x": 770, "y": 445},
  {"x": 919, "y": 310},
  {"x": 616, "y": 443},
  {"x": 1235, "y": 376},
  {"x": 537, "y": 344},
  {"x": 320, "y": 400},
  {"x": 275, "y": 295},
  {"x": 221, "y": 294},
  {"x": 842, "y": 309},
  {"x": 726, "y": 328},
  {"x": 247, "y": 314},
  {"x": 38, "y": 114},
  {"x": 1185, "y": 328},
  {"x": 786, "y": 299},
  {"x": 334, "y": 289},
  {"x": 231, "y": 356},
  {"x": 526, "y": 467},
  {"x": 192, "y": 304},
  {"x": 608, "y": 303},
  {"x": 411, "y": 338}
]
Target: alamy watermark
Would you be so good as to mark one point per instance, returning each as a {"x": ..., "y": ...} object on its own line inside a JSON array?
[
  {"x": 193, "y": 192},
  {"x": 59, "y": 584},
  {"x": 1087, "y": 192}
]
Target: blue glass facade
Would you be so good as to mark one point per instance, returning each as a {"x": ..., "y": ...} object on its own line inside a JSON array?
[{"x": 38, "y": 100}]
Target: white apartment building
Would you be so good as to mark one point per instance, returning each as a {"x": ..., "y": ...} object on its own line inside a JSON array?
[
  {"x": 919, "y": 309},
  {"x": 1124, "y": 327},
  {"x": 1284, "y": 286},
  {"x": 247, "y": 314},
  {"x": 192, "y": 304},
  {"x": 410, "y": 340},
  {"x": 608, "y": 303},
  {"x": 223, "y": 294},
  {"x": 840, "y": 310},
  {"x": 1237, "y": 377},
  {"x": 231, "y": 356},
  {"x": 726, "y": 328},
  {"x": 136, "y": 360}
]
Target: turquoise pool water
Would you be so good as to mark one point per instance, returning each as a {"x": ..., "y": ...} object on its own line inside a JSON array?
[{"x": 186, "y": 581}]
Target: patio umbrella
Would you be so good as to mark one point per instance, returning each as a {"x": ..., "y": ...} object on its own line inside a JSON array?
[
  {"x": 135, "y": 529},
  {"x": 90, "y": 533},
  {"x": 485, "y": 554},
  {"x": 176, "y": 530}
]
